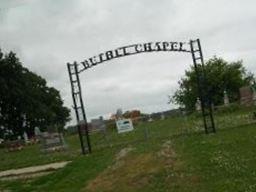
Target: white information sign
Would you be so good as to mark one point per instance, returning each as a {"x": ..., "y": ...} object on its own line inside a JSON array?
[{"x": 124, "y": 125}]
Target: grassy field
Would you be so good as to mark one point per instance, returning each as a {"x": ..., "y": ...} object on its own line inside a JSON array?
[
  {"x": 32, "y": 155},
  {"x": 164, "y": 155}
]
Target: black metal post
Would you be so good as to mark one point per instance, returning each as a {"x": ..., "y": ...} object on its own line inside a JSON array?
[
  {"x": 205, "y": 99},
  {"x": 83, "y": 111},
  {"x": 79, "y": 107}
]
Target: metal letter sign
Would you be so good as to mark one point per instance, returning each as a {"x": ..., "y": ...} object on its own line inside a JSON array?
[
  {"x": 193, "y": 47},
  {"x": 132, "y": 50}
]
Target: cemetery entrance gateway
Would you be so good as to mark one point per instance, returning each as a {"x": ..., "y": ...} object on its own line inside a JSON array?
[{"x": 193, "y": 47}]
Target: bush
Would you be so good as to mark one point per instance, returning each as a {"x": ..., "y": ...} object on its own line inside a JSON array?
[{"x": 228, "y": 109}]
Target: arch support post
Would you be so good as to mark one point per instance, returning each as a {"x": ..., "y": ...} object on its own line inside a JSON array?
[
  {"x": 204, "y": 94},
  {"x": 82, "y": 125}
]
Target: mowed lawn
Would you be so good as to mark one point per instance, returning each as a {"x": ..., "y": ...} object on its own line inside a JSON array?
[
  {"x": 172, "y": 158},
  {"x": 32, "y": 155}
]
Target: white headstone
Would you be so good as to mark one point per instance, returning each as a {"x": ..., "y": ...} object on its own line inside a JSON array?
[
  {"x": 25, "y": 136},
  {"x": 24, "y": 120},
  {"x": 198, "y": 104},
  {"x": 226, "y": 99},
  {"x": 37, "y": 131}
]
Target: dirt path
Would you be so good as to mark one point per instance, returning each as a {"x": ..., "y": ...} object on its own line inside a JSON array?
[
  {"x": 34, "y": 170},
  {"x": 134, "y": 171}
]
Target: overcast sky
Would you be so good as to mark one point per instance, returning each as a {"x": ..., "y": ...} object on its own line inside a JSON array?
[{"x": 46, "y": 34}]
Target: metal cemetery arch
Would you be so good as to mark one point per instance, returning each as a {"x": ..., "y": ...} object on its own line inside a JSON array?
[{"x": 193, "y": 47}]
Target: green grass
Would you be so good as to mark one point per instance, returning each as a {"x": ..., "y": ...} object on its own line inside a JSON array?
[
  {"x": 32, "y": 155},
  {"x": 225, "y": 161},
  {"x": 72, "y": 178}
]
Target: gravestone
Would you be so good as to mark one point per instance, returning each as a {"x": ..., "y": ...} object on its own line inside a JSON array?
[
  {"x": 254, "y": 93},
  {"x": 198, "y": 104},
  {"x": 98, "y": 125},
  {"x": 25, "y": 136},
  {"x": 162, "y": 116},
  {"x": 226, "y": 99},
  {"x": 150, "y": 119},
  {"x": 37, "y": 131},
  {"x": 246, "y": 96},
  {"x": 119, "y": 113},
  {"x": 51, "y": 142}
]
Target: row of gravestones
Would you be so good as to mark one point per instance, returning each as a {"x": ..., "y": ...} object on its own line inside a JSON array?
[
  {"x": 247, "y": 97},
  {"x": 49, "y": 142},
  {"x": 55, "y": 141}
]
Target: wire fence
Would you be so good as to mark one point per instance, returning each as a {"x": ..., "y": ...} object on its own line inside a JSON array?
[{"x": 173, "y": 126}]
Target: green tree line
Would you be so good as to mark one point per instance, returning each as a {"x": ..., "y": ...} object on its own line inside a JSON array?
[
  {"x": 26, "y": 101},
  {"x": 220, "y": 76}
]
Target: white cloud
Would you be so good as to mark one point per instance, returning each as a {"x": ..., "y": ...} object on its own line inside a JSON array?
[{"x": 48, "y": 34}]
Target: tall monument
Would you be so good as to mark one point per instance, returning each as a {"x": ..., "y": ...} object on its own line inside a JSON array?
[{"x": 226, "y": 99}]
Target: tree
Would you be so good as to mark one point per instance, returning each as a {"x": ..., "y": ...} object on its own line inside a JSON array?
[
  {"x": 26, "y": 101},
  {"x": 132, "y": 114},
  {"x": 220, "y": 75}
]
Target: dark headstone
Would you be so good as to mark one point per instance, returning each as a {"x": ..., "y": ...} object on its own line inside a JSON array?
[
  {"x": 98, "y": 125},
  {"x": 246, "y": 96},
  {"x": 52, "y": 142}
]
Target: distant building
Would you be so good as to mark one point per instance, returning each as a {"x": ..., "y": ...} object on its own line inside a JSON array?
[
  {"x": 169, "y": 113},
  {"x": 134, "y": 114},
  {"x": 112, "y": 117}
]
